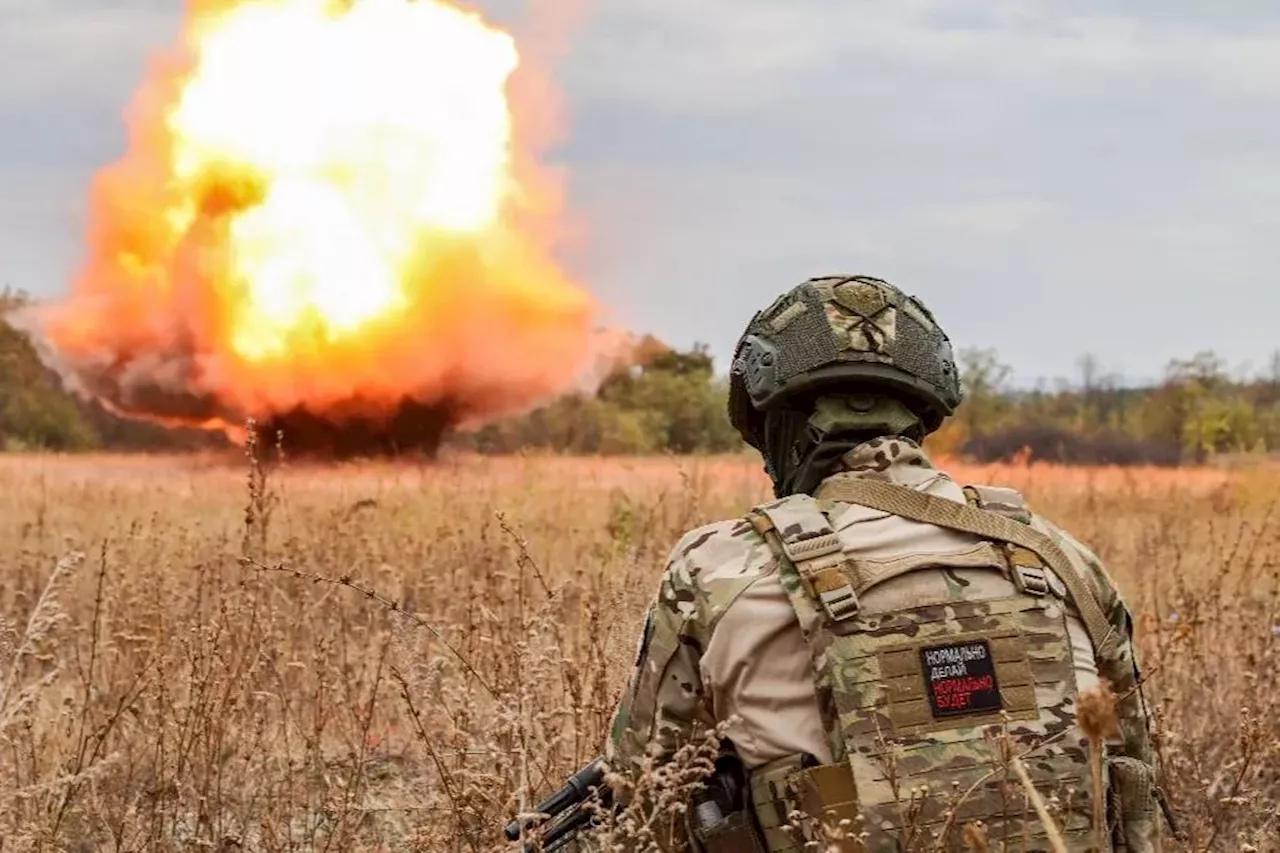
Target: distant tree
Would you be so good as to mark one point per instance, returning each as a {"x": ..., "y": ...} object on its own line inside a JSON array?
[
  {"x": 11, "y": 299},
  {"x": 984, "y": 379},
  {"x": 695, "y": 362},
  {"x": 672, "y": 402},
  {"x": 1269, "y": 392},
  {"x": 35, "y": 412}
]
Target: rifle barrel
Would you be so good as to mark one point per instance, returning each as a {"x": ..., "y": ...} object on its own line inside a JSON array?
[{"x": 575, "y": 790}]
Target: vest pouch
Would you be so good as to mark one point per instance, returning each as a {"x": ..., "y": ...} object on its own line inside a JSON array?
[
  {"x": 720, "y": 818},
  {"x": 826, "y": 794},
  {"x": 1133, "y": 802},
  {"x": 823, "y": 793},
  {"x": 734, "y": 833}
]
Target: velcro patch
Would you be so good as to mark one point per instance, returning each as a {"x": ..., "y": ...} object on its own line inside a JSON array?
[{"x": 960, "y": 679}]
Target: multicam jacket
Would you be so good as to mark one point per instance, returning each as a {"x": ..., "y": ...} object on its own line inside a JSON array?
[{"x": 722, "y": 643}]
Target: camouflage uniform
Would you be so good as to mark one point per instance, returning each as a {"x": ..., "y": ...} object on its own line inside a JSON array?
[{"x": 751, "y": 631}]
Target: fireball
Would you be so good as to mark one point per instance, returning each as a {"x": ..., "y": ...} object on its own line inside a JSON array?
[{"x": 325, "y": 206}]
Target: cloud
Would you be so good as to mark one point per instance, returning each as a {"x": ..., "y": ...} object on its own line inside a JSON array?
[
  {"x": 1053, "y": 177},
  {"x": 736, "y": 54},
  {"x": 76, "y": 49},
  {"x": 989, "y": 218},
  {"x": 1028, "y": 167}
]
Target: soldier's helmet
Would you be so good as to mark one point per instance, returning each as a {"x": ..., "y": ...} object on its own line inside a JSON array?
[{"x": 836, "y": 333}]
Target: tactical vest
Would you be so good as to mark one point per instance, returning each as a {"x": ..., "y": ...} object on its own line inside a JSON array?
[{"x": 926, "y": 707}]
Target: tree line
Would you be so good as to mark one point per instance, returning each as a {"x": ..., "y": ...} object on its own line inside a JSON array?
[
  {"x": 673, "y": 401},
  {"x": 37, "y": 413},
  {"x": 676, "y": 403},
  {"x": 668, "y": 402},
  {"x": 1198, "y": 410}
]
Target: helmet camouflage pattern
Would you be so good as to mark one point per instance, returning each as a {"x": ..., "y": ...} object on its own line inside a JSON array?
[{"x": 842, "y": 332}]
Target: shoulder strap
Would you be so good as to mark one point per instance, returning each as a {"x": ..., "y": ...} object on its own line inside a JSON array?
[
  {"x": 999, "y": 499},
  {"x": 918, "y": 506},
  {"x": 796, "y": 529},
  {"x": 810, "y": 568}
]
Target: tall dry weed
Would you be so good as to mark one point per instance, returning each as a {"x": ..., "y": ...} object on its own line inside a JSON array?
[{"x": 400, "y": 657}]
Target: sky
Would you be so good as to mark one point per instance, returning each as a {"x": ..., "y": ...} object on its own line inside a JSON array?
[{"x": 1052, "y": 177}]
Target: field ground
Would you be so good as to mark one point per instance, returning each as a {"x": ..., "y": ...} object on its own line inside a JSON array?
[{"x": 158, "y": 693}]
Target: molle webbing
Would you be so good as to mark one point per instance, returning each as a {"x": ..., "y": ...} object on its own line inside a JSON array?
[
  {"x": 836, "y": 578},
  {"x": 918, "y": 506},
  {"x": 772, "y": 803},
  {"x": 826, "y": 792}
]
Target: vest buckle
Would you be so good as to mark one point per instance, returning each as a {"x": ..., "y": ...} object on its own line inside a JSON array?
[
  {"x": 1031, "y": 580},
  {"x": 831, "y": 586}
]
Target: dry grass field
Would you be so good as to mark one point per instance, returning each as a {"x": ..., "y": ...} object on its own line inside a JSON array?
[{"x": 159, "y": 693}]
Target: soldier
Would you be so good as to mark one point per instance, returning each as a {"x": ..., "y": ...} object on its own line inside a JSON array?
[{"x": 886, "y": 651}]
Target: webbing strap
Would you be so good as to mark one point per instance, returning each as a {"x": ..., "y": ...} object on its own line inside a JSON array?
[
  {"x": 806, "y": 599},
  {"x": 918, "y": 506},
  {"x": 814, "y": 549}
]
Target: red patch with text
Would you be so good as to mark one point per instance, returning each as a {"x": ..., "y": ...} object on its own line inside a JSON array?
[{"x": 960, "y": 679}]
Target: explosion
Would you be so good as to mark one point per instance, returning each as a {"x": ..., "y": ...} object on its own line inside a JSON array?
[{"x": 326, "y": 220}]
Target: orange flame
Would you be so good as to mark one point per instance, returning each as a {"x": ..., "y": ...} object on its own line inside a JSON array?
[{"x": 325, "y": 202}]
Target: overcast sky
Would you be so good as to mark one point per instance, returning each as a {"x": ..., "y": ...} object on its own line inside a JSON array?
[{"x": 1051, "y": 177}]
